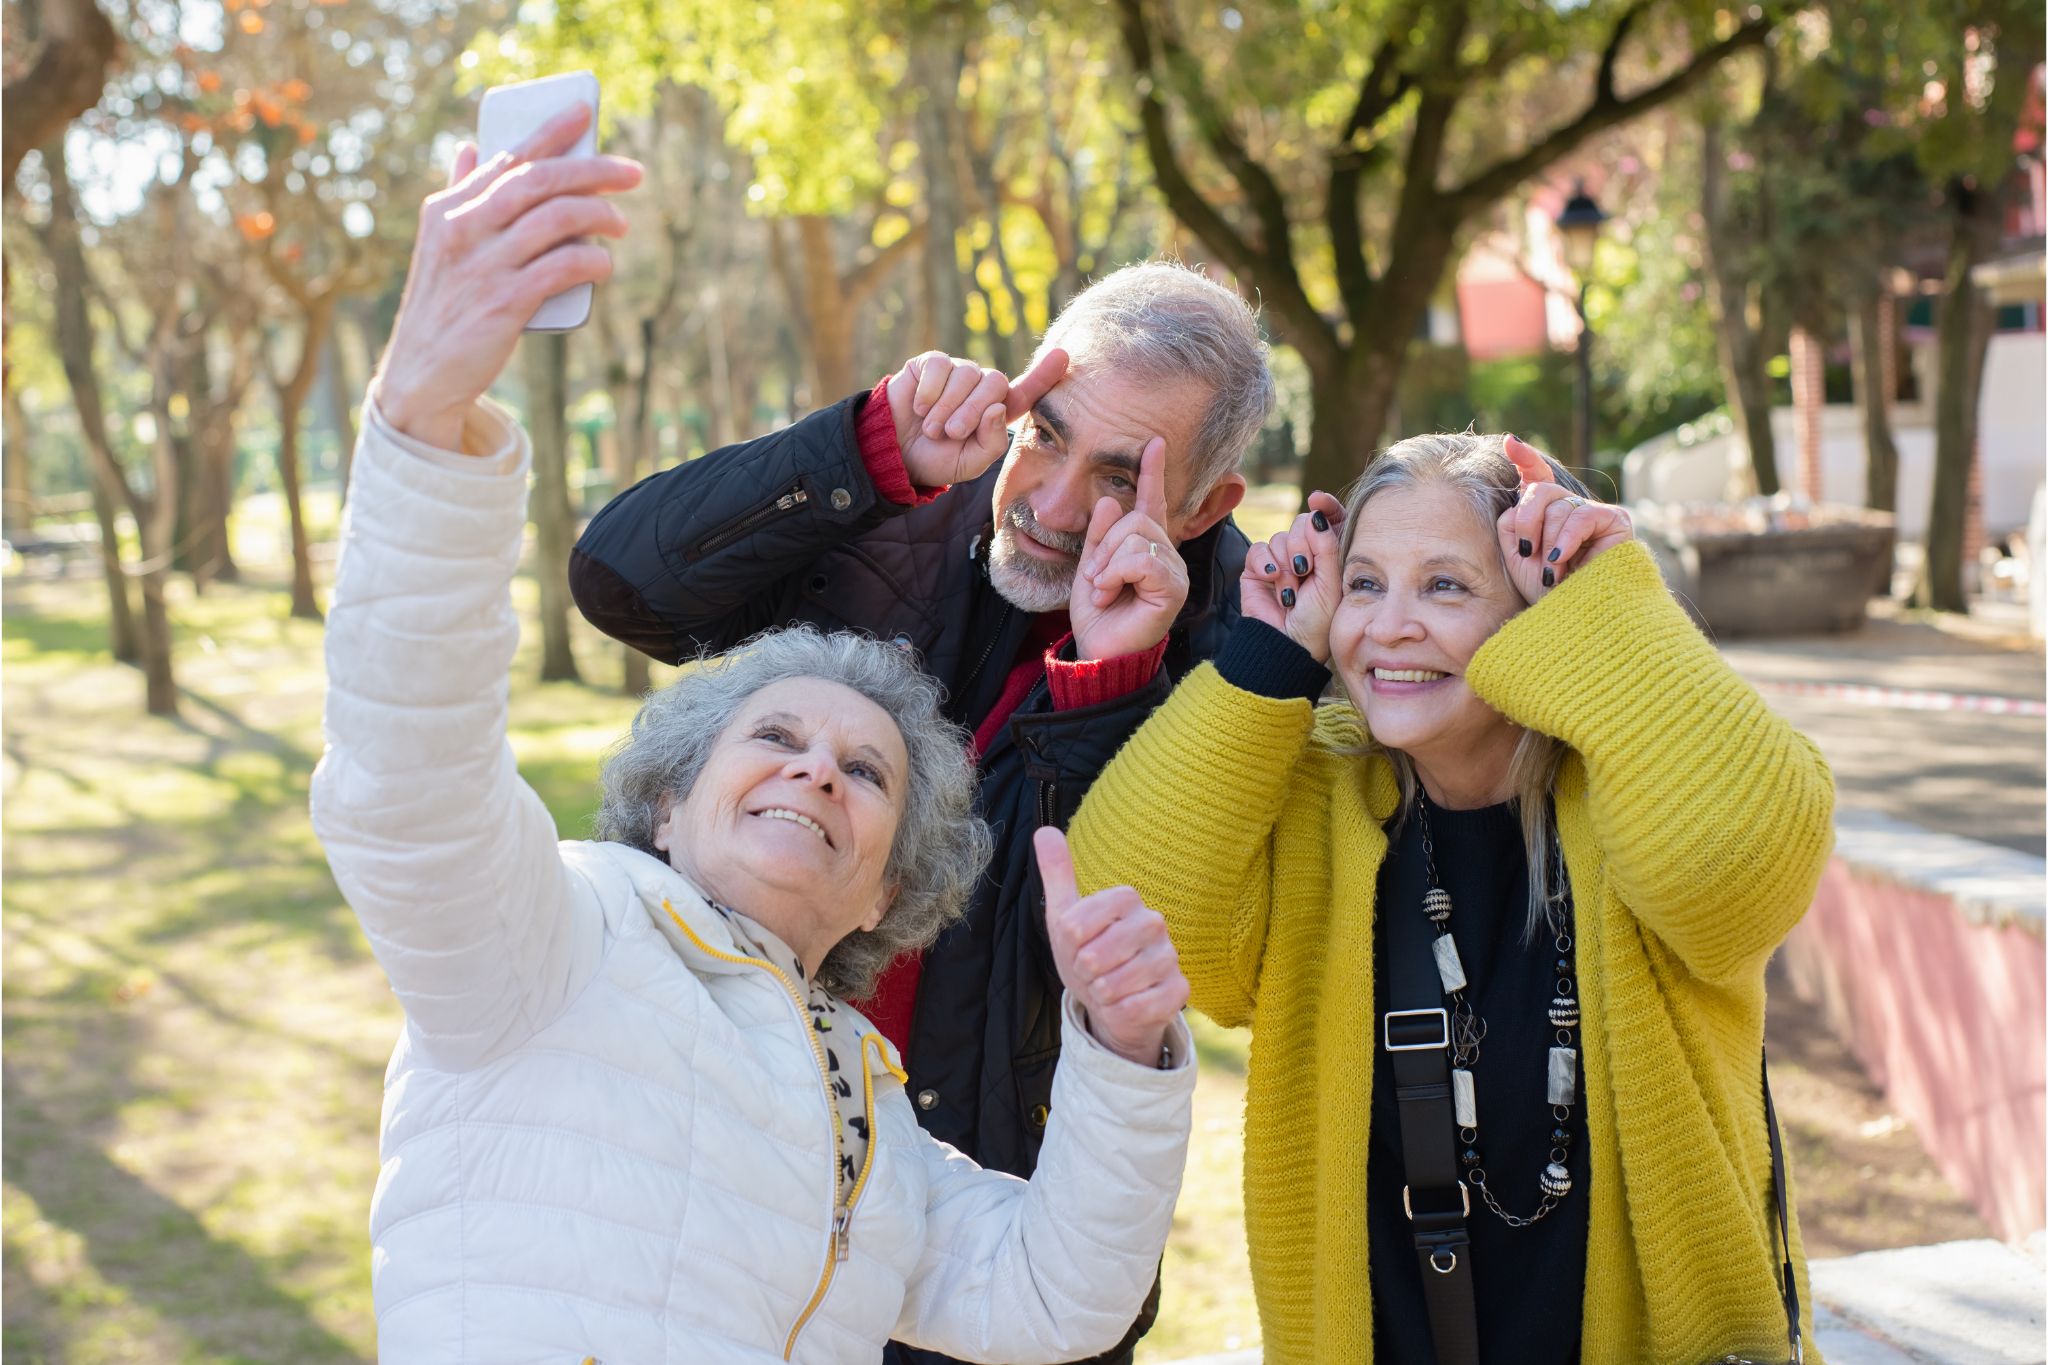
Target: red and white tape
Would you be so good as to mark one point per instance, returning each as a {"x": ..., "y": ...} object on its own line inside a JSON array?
[{"x": 1909, "y": 699}]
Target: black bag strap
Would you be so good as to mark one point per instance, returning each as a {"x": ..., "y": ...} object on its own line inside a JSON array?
[
  {"x": 1416, "y": 1033},
  {"x": 1788, "y": 1282}
]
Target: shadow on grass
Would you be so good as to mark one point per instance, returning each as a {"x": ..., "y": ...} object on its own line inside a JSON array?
[
  {"x": 155, "y": 1250},
  {"x": 29, "y": 634},
  {"x": 92, "y": 988}
]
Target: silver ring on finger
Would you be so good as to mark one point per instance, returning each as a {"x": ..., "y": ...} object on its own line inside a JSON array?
[{"x": 1575, "y": 500}]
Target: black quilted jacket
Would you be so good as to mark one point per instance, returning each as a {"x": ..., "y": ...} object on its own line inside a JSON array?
[{"x": 789, "y": 528}]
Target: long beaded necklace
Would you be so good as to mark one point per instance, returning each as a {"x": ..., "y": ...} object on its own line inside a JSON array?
[{"x": 1468, "y": 1030}]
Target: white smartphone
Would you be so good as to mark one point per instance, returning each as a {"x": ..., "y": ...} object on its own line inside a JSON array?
[{"x": 508, "y": 116}]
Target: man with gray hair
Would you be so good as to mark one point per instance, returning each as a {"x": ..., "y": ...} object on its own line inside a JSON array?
[{"x": 1055, "y": 580}]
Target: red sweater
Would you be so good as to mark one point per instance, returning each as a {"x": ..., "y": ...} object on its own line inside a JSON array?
[{"x": 1086, "y": 682}]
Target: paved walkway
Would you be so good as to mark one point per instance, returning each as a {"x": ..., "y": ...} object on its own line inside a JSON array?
[
  {"x": 1958, "y": 1303},
  {"x": 1967, "y": 772}
]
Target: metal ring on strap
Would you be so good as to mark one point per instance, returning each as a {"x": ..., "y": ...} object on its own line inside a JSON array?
[{"x": 1443, "y": 1269}]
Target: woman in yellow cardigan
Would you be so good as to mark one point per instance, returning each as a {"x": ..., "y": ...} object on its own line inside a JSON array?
[{"x": 1556, "y": 837}]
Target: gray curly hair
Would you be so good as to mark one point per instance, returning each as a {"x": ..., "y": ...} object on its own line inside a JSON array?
[{"x": 941, "y": 846}]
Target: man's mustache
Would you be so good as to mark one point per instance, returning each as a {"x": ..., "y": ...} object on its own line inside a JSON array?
[{"x": 1020, "y": 518}]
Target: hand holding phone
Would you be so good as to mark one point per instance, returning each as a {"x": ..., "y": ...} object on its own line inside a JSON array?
[
  {"x": 508, "y": 116},
  {"x": 504, "y": 237}
]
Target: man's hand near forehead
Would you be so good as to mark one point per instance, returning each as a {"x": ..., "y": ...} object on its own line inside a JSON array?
[
  {"x": 1132, "y": 582},
  {"x": 951, "y": 414}
]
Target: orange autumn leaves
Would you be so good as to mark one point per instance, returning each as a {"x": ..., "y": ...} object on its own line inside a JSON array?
[{"x": 276, "y": 104}]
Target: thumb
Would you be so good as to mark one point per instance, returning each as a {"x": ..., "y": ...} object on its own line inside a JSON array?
[
  {"x": 1036, "y": 382},
  {"x": 1528, "y": 461},
  {"x": 1055, "y": 869},
  {"x": 465, "y": 162}
]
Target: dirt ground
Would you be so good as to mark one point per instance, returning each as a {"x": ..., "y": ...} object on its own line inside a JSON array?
[{"x": 1864, "y": 1182}]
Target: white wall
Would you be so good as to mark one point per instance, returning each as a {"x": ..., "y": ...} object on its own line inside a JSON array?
[{"x": 2012, "y": 441}]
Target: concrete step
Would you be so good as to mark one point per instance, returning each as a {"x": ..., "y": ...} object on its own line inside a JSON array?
[{"x": 1956, "y": 1303}]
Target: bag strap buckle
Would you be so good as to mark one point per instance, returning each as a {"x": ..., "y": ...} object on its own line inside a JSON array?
[{"x": 1438, "y": 1041}]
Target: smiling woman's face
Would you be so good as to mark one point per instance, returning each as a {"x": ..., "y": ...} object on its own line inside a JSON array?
[
  {"x": 1423, "y": 588},
  {"x": 794, "y": 815}
]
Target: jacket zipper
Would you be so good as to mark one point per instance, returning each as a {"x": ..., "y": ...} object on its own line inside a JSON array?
[
  {"x": 842, "y": 1214},
  {"x": 994, "y": 639},
  {"x": 790, "y": 499}
]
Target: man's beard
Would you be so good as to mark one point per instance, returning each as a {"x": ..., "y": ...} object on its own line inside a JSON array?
[{"x": 1025, "y": 582}]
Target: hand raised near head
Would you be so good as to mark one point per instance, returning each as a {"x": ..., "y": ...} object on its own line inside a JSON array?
[
  {"x": 502, "y": 238},
  {"x": 1550, "y": 531},
  {"x": 1293, "y": 582},
  {"x": 1113, "y": 955},
  {"x": 950, "y": 414},
  {"x": 1132, "y": 582}
]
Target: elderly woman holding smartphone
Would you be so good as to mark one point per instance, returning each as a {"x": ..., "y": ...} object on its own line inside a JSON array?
[
  {"x": 1498, "y": 919},
  {"x": 630, "y": 1118}
]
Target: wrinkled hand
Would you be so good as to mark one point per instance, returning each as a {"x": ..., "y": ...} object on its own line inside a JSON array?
[
  {"x": 492, "y": 247},
  {"x": 951, "y": 414},
  {"x": 1131, "y": 582},
  {"x": 1549, "y": 532},
  {"x": 1113, "y": 954},
  {"x": 1294, "y": 582}
]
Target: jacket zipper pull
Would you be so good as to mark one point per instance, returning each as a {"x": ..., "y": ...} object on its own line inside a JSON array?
[{"x": 842, "y": 1234}]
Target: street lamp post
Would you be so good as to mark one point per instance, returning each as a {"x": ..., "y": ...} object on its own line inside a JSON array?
[{"x": 1579, "y": 225}]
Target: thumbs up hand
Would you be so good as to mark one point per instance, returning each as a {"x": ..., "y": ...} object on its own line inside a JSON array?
[{"x": 1113, "y": 954}]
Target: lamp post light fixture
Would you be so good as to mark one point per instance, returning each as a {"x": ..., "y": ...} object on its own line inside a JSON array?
[{"x": 1579, "y": 225}]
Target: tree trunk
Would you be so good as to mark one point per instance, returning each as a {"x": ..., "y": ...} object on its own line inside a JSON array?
[
  {"x": 831, "y": 317},
  {"x": 1867, "y": 362},
  {"x": 122, "y": 636},
  {"x": 17, "y": 494},
  {"x": 215, "y": 413},
  {"x": 75, "y": 346},
  {"x": 342, "y": 389},
  {"x": 1962, "y": 334},
  {"x": 1738, "y": 335},
  {"x": 936, "y": 60},
  {"x": 554, "y": 525},
  {"x": 629, "y": 433},
  {"x": 1353, "y": 402},
  {"x": 215, "y": 552},
  {"x": 154, "y": 523},
  {"x": 317, "y": 320}
]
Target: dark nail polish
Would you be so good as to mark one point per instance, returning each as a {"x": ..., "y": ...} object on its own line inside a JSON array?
[
  {"x": 1525, "y": 548},
  {"x": 1319, "y": 521},
  {"x": 1287, "y": 598},
  {"x": 1301, "y": 564},
  {"x": 1272, "y": 568},
  {"x": 1555, "y": 550},
  {"x": 1549, "y": 579}
]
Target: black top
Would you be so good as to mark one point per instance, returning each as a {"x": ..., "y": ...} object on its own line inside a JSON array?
[{"x": 1528, "y": 1283}]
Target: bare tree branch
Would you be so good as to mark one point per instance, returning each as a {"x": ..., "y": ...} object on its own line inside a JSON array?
[
  {"x": 1605, "y": 110},
  {"x": 1274, "y": 276}
]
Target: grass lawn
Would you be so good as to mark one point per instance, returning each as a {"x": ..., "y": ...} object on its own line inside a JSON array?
[{"x": 196, "y": 1033}]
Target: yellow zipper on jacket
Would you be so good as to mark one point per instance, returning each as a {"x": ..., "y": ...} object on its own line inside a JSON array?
[
  {"x": 842, "y": 1214},
  {"x": 842, "y": 1217}
]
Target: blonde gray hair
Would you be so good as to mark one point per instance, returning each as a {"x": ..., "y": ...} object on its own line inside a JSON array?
[
  {"x": 1478, "y": 468},
  {"x": 941, "y": 846},
  {"x": 1163, "y": 321}
]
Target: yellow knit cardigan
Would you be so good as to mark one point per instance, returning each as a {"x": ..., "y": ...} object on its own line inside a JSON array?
[{"x": 1695, "y": 825}]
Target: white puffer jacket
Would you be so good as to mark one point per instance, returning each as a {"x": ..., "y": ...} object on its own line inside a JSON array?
[{"x": 606, "y": 1133}]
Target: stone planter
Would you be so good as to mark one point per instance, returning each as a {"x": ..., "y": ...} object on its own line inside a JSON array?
[{"x": 1800, "y": 581}]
